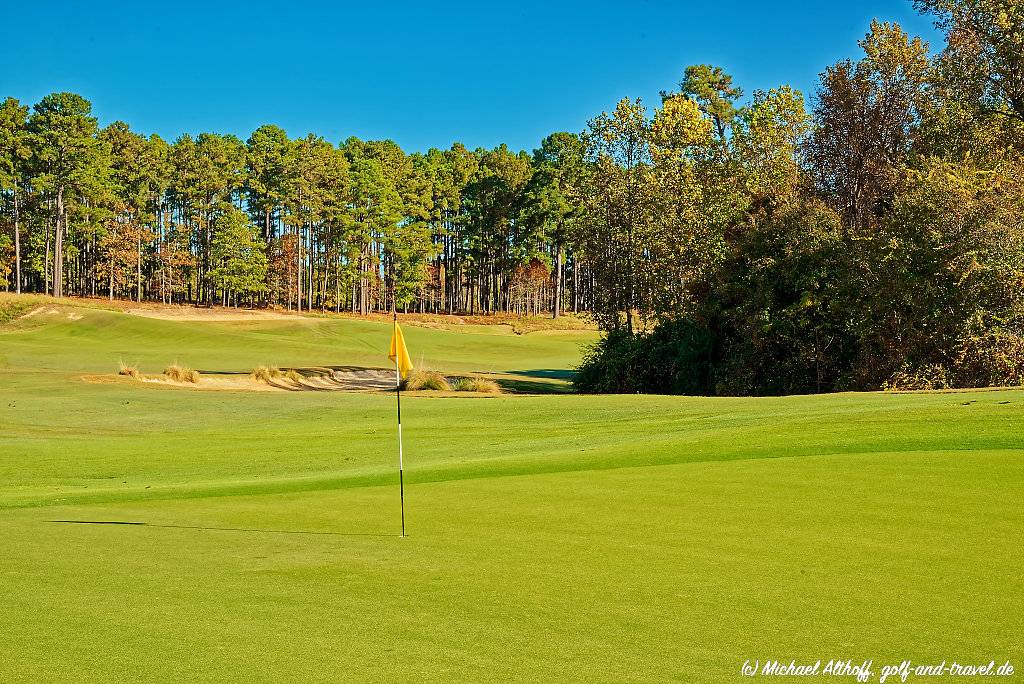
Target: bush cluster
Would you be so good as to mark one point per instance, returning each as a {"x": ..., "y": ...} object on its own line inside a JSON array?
[{"x": 674, "y": 358}]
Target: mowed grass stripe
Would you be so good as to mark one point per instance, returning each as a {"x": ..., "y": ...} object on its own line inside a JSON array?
[
  {"x": 544, "y": 577},
  {"x": 185, "y": 444}
]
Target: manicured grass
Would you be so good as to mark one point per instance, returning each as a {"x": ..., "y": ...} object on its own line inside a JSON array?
[
  {"x": 75, "y": 338},
  {"x": 552, "y": 538}
]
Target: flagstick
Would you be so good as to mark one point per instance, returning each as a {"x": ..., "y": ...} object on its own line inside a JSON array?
[{"x": 398, "y": 395}]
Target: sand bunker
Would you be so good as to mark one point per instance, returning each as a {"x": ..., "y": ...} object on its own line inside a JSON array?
[{"x": 342, "y": 379}]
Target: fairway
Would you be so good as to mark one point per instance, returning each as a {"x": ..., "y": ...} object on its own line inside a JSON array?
[{"x": 552, "y": 536}]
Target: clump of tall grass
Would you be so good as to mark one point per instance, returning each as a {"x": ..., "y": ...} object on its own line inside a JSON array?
[
  {"x": 181, "y": 374},
  {"x": 265, "y": 373},
  {"x": 476, "y": 384},
  {"x": 294, "y": 375},
  {"x": 129, "y": 371},
  {"x": 426, "y": 380}
]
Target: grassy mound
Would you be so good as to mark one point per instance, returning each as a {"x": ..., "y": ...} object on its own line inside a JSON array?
[{"x": 14, "y": 306}]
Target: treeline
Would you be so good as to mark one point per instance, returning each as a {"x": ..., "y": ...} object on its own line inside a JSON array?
[
  {"x": 874, "y": 241},
  {"x": 725, "y": 244},
  {"x": 298, "y": 223}
]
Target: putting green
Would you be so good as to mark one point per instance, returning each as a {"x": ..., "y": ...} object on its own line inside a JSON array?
[{"x": 555, "y": 537}]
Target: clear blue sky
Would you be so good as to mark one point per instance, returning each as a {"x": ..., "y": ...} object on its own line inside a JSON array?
[{"x": 424, "y": 74}]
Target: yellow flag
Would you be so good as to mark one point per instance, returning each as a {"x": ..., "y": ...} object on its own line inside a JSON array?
[{"x": 399, "y": 353}]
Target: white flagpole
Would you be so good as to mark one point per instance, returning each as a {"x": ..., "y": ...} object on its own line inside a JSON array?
[{"x": 398, "y": 396}]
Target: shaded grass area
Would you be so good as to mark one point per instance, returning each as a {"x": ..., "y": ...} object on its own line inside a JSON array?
[{"x": 552, "y": 538}]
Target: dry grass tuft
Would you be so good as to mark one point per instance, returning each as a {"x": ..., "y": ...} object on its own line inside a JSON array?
[
  {"x": 130, "y": 371},
  {"x": 426, "y": 380},
  {"x": 180, "y": 374},
  {"x": 265, "y": 373},
  {"x": 476, "y": 384}
]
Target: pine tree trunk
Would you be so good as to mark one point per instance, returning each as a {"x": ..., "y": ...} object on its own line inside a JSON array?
[
  {"x": 17, "y": 244},
  {"x": 558, "y": 282},
  {"x": 337, "y": 285},
  {"x": 298, "y": 270},
  {"x": 288, "y": 279},
  {"x": 575, "y": 285},
  {"x": 364, "y": 296},
  {"x": 110, "y": 288},
  {"x": 138, "y": 270},
  {"x": 310, "y": 277},
  {"x": 46, "y": 265},
  {"x": 58, "y": 247}
]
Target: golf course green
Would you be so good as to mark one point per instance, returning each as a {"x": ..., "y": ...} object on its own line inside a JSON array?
[{"x": 158, "y": 533}]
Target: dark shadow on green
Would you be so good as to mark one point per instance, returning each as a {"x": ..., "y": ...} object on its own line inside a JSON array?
[
  {"x": 220, "y": 529},
  {"x": 513, "y": 386},
  {"x": 545, "y": 373}
]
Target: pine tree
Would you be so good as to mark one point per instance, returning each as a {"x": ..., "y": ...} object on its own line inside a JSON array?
[
  {"x": 70, "y": 162},
  {"x": 14, "y": 152},
  {"x": 238, "y": 257}
]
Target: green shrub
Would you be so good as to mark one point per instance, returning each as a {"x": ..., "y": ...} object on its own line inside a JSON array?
[
  {"x": 426, "y": 380},
  {"x": 476, "y": 384},
  {"x": 991, "y": 359},
  {"x": 675, "y": 358},
  {"x": 928, "y": 377}
]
